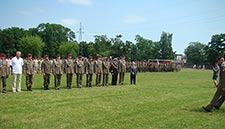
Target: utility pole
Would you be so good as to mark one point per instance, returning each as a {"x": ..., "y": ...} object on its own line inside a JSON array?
[{"x": 80, "y": 32}]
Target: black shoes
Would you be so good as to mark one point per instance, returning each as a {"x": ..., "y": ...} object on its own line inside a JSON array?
[{"x": 206, "y": 109}]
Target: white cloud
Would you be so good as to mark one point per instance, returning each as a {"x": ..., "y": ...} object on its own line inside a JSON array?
[
  {"x": 134, "y": 19},
  {"x": 76, "y": 2},
  {"x": 69, "y": 22}
]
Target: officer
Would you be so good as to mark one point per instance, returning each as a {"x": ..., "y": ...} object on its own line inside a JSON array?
[
  {"x": 29, "y": 70},
  {"x": 98, "y": 70},
  {"x": 133, "y": 72},
  {"x": 46, "y": 68},
  {"x": 79, "y": 71},
  {"x": 57, "y": 70},
  {"x": 89, "y": 69},
  {"x": 122, "y": 69},
  {"x": 69, "y": 70},
  {"x": 4, "y": 70},
  {"x": 114, "y": 71},
  {"x": 106, "y": 66}
]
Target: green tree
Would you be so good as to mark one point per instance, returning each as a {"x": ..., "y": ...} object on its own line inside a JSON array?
[
  {"x": 102, "y": 45},
  {"x": 216, "y": 47},
  {"x": 31, "y": 44},
  {"x": 196, "y": 53},
  {"x": 117, "y": 46},
  {"x": 166, "y": 49},
  {"x": 68, "y": 47},
  {"x": 53, "y": 35},
  {"x": 9, "y": 39}
]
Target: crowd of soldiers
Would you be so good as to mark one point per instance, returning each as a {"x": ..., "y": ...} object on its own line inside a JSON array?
[{"x": 101, "y": 68}]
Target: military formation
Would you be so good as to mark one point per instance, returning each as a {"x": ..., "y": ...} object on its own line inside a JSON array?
[{"x": 101, "y": 68}]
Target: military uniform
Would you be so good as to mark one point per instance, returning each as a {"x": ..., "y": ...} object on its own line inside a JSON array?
[
  {"x": 46, "y": 68},
  {"x": 122, "y": 70},
  {"x": 29, "y": 70},
  {"x": 57, "y": 70},
  {"x": 4, "y": 70},
  {"x": 106, "y": 66},
  {"x": 79, "y": 71},
  {"x": 69, "y": 70},
  {"x": 114, "y": 71},
  {"x": 98, "y": 71},
  {"x": 89, "y": 69}
]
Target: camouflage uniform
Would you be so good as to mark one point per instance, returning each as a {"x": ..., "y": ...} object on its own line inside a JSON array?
[
  {"x": 122, "y": 70},
  {"x": 79, "y": 71},
  {"x": 89, "y": 68},
  {"x": 29, "y": 70},
  {"x": 69, "y": 70},
  {"x": 98, "y": 71},
  {"x": 106, "y": 66},
  {"x": 4, "y": 70},
  {"x": 46, "y": 68},
  {"x": 57, "y": 70}
]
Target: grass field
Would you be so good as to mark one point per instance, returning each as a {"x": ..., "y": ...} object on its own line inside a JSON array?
[{"x": 159, "y": 100}]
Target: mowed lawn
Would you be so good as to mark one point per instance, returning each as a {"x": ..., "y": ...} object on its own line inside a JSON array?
[{"x": 159, "y": 100}]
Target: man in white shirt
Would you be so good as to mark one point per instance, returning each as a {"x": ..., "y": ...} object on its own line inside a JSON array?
[{"x": 17, "y": 63}]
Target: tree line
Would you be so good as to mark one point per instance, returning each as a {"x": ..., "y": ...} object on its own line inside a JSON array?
[{"x": 52, "y": 39}]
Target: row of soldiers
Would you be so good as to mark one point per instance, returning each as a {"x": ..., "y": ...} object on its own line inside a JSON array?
[{"x": 79, "y": 66}]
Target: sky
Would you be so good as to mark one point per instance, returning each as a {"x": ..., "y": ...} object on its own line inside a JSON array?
[{"x": 187, "y": 20}]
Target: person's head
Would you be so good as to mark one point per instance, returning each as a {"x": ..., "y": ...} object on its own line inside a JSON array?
[
  {"x": 3, "y": 56},
  {"x": 29, "y": 56},
  {"x": 220, "y": 60},
  {"x": 123, "y": 57},
  {"x": 69, "y": 56},
  {"x": 90, "y": 58},
  {"x": 133, "y": 63},
  {"x": 18, "y": 54},
  {"x": 46, "y": 56},
  {"x": 58, "y": 57},
  {"x": 80, "y": 57}
]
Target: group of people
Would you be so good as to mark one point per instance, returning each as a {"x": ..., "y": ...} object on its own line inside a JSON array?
[
  {"x": 219, "y": 96},
  {"x": 102, "y": 67}
]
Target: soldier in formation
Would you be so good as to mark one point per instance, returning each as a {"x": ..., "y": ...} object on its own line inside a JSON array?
[
  {"x": 69, "y": 70},
  {"x": 29, "y": 70},
  {"x": 46, "y": 68},
  {"x": 57, "y": 70},
  {"x": 89, "y": 70},
  {"x": 4, "y": 71}
]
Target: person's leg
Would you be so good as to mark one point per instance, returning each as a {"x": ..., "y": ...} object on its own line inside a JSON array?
[
  {"x": 19, "y": 76},
  {"x": 14, "y": 83},
  {"x": 3, "y": 84},
  {"x": 220, "y": 101}
]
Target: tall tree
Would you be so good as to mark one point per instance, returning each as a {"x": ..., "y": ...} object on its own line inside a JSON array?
[
  {"x": 196, "y": 53},
  {"x": 53, "y": 35},
  {"x": 68, "y": 47},
  {"x": 102, "y": 45},
  {"x": 9, "y": 40},
  {"x": 216, "y": 47},
  {"x": 166, "y": 49},
  {"x": 31, "y": 44},
  {"x": 117, "y": 46}
]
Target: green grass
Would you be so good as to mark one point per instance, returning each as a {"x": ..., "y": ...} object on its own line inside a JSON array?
[{"x": 159, "y": 100}]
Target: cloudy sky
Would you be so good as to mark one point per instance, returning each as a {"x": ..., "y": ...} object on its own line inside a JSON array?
[{"x": 188, "y": 20}]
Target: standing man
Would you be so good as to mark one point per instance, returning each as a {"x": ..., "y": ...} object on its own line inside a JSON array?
[
  {"x": 219, "y": 96},
  {"x": 89, "y": 68},
  {"x": 122, "y": 69},
  {"x": 106, "y": 66},
  {"x": 114, "y": 71},
  {"x": 69, "y": 70},
  {"x": 29, "y": 68},
  {"x": 79, "y": 71},
  {"x": 46, "y": 68},
  {"x": 98, "y": 70},
  {"x": 57, "y": 70},
  {"x": 133, "y": 72},
  {"x": 17, "y": 64},
  {"x": 4, "y": 70}
]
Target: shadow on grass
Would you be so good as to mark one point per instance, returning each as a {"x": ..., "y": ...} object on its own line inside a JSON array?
[{"x": 201, "y": 110}]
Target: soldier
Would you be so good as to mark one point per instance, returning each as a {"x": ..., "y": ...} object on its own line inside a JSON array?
[
  {"x": 69, "y": 70},
  {"x": 4, "y": 70},
  {"x": 29, "y": 70},
  {"x": 122, "y": 69},
  {"x": 114, "y": 71},
  {"x": 133, "y": 72},
  {"x": 106, "y": 66},
  {"x": 79, "y": 71},
  {"x": 98, "y": 70},
  {"x": 57, "y": 70},
  {"x": 89, "y": 69},
  {"x": 46, "y": 68}
]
